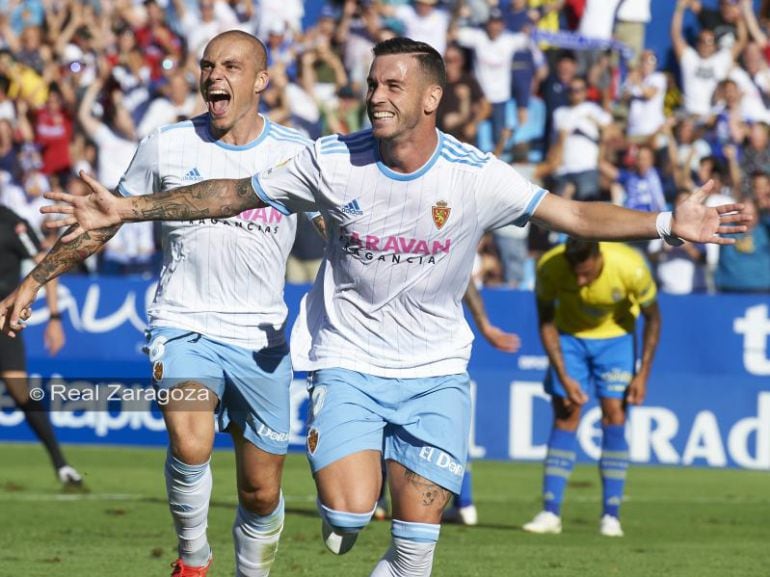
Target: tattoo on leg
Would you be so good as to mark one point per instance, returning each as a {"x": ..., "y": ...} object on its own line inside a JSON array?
[{"x": 430, "y": 493}]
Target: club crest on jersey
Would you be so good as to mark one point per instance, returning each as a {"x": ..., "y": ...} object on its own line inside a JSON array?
[
  {"x": 440, "y": 214},
  {"x": 157, "y": 371},
  {"x": 312, "y": 440}
]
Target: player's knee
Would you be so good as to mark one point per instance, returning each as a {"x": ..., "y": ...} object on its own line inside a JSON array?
[
  {"x": 191, "y": 436},
  {"x": 345, "y": 522},
  {"x": 260, "y": 499},
  {"x": 191, "y": 450},
  {"x": 613, "y": 416}
]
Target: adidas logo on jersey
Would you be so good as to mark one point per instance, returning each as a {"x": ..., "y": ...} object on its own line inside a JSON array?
[
  {"x": 192, "y": 175},
  {"x": 353, "y": 208}
]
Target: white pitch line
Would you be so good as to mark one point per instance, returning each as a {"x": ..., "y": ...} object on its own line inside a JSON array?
[
  {"x": 43, "y": 497},
  {"x": 759, "y": 500},
  {"x": 59, "y": 497}
]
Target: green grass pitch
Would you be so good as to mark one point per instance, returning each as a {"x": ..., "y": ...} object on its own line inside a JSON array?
[{"x": 678, "y": 522}]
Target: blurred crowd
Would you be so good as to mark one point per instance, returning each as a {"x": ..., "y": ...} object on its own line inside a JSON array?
[{"x": 563, "y": 89}]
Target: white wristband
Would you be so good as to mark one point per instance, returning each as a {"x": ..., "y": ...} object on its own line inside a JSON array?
[{"x": 663, "y": 226}]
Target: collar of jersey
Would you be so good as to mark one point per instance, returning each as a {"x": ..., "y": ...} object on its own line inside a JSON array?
[
  {"x": 417, "y": 173},
  {"x": 252, "y": 144}
]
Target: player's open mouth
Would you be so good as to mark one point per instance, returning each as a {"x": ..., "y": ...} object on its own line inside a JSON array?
[
  {"x": 218, "y": 102},
  {"x": 382, "y": 116}
]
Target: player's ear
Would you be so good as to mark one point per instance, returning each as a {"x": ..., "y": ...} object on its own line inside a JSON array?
[
  {"x": 261, "y": 82},
  {"x": 432, "y": 98}
]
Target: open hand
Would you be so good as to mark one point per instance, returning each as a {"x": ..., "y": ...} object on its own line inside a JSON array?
[
  {"x": 99, "y": 209},
  {"x": 695, "y": 222}
]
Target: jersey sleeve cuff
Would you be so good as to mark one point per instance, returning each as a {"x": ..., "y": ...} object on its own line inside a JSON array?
[
  {"x": 534, "y": 202},
  {"x": 263, "y": 196}
]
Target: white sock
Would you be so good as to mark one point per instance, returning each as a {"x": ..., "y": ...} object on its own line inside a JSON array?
[
  {"x": 411, "y": 550},
  {"x": 256, "y": 540},
  {"x": 189, "y": 490},
  {"x": 406, "y": 558}
]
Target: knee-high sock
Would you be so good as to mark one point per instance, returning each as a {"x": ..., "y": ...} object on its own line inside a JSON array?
[
  {"x": 613, "y": 466},
  {"x": 465, "y": 498},
  {"x": 256, "y": 540},
  {"x": 559, "y": 463},
  {"x": 189, "y": 490},
  {"x": 411, "y": 550},
  {"x": 40, "y": 423}
]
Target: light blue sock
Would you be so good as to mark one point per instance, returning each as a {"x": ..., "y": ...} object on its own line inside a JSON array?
[
  {"x": 613, "y": 466},
  {"x": 559, "y": 463},
  {"x": 465, "y": 498},
  {"x": 342, "y": 521},
  {"x": 189, "y": 490}
]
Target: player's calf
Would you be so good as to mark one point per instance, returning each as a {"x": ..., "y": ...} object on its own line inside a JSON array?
[{"x": 256, "y": 540}]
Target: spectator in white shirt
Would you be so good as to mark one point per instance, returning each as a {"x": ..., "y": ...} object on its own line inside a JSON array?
[
  {"x": 177, "y": 102},
  {"x": 580, "y": 126},
  {"x": 7, "y": 110},
  {"x": 705, "y": 66},
  {"x": 493, "y": 49},
  {"x": 645, "y": 90},
  {"x": 756, "y": 67},
  {"x": 423, "y": 21},
  {"x": 132, "y": 249},
  {"x": 200, "y": 26}
]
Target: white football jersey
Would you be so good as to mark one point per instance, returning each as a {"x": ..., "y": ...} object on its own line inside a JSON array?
[
  {"x": 387, "y": 300},
  {"x": 222, "y": 278}
]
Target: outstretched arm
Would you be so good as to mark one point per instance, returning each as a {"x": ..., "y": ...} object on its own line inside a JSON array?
[
  {"x": 692, "y": 221},
  {"x": 62, "y": 258},
  {"x": 100, "y": 209},
  {"x": 502, "y": 341}
]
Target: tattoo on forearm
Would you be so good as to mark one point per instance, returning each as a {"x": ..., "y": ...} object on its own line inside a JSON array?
[
  {"x": 205, "y": 199},
  {"x": 64, "y": 256},
  {"x": 430, "y": 493}
]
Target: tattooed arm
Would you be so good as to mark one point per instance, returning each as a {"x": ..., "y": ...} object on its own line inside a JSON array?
[
  {"x": 100, "y": 209},
  {"x": 62, "y": 258},
  {"x": 205, "y": 199}
]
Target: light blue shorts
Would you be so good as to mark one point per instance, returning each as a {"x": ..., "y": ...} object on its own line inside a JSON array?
[
  {"x": 605, "y": 364},
  {"x": 422, "y": 424},
  {"x": 252, "y": 386}
]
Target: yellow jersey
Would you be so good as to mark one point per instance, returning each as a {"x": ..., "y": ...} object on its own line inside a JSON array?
[{"x": 606, "y": 308}]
